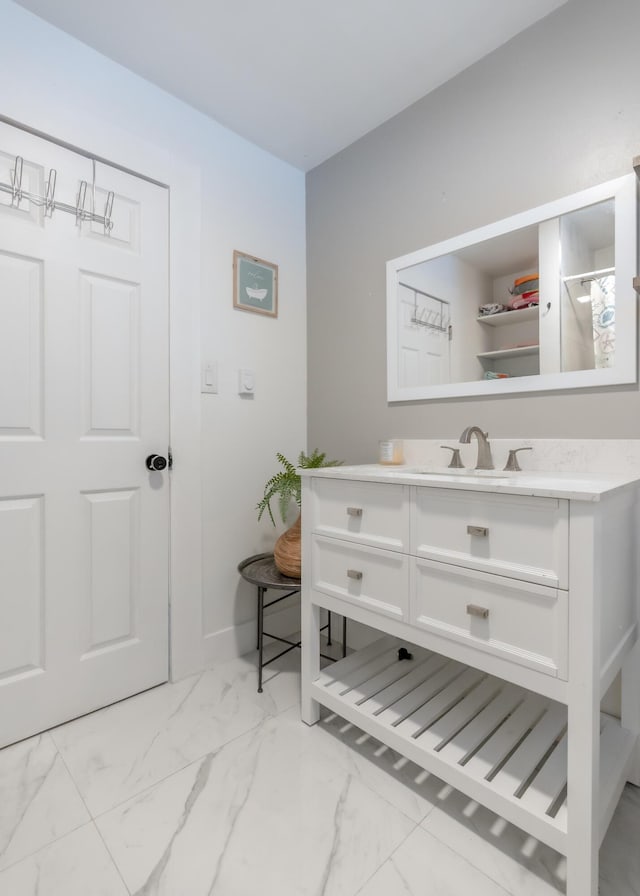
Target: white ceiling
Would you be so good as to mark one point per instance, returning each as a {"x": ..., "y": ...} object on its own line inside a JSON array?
[{"x": 300, "y": 78}]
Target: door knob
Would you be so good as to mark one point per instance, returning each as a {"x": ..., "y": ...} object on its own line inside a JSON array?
[{"x": 156, "y": 462}]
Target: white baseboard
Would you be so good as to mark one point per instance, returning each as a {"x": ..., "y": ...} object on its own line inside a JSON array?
[{"x": 233, "y": 642}]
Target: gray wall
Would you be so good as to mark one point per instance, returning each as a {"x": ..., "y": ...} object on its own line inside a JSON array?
[{"x": 552, "y": 112}]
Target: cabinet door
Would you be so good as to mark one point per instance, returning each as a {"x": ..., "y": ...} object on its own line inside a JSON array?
[
  {"x": 377, "y": 580},
  {"x": 524, "y": 623},
  {"x": 510, "y": 535},
  {"x": 372, "y": 513}
]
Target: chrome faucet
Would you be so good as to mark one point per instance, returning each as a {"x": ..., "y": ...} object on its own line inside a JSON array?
[{"x": 485, "y": 461}]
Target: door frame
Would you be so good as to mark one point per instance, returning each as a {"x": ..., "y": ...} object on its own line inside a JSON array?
[{"x": 118, "y": 148}]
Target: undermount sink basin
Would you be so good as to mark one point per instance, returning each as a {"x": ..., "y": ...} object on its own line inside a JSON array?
[
  {"x": 483, "y": 474},
  {"x": 458, "y": 474}
]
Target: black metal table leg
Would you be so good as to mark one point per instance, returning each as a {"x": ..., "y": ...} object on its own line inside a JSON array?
[
  {"x": 261, "y": 591},
  {"x": 262, "y": 572}
]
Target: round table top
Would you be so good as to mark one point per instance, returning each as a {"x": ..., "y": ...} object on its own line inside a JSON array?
[{"x": 261, "y": 570}]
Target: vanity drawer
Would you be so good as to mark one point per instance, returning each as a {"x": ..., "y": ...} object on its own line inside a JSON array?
[
  {"x": 524, "y": 623},
  {"x": 511, "y": 535},
  {"x": 375, "y": 579},
  {"x": 372, "y": 513}
]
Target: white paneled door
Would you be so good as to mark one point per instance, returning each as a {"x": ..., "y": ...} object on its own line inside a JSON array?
[
  {"x": 84, "y": 526},
  {"x": 424, "y": 357}
]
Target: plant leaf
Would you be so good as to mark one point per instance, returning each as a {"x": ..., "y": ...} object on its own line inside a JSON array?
[{"x": 286, "y": 485}]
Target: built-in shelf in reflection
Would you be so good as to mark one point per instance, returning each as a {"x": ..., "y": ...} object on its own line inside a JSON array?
[
  {"x": 518, "y": 352},
  {"x": 509, "y": 317}
]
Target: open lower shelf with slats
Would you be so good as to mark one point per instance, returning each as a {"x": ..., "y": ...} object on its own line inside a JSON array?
[{"x": 497, "y": 742}]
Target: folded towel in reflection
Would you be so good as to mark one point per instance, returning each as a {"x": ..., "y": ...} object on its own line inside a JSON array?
[
  {"x": 525, "y": 284},
  {"x": 491, "y": 308},
  {"x": 526, "y": 300}
]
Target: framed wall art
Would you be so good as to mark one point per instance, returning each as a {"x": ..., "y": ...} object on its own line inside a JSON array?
[{"x": 255, "y": 284}]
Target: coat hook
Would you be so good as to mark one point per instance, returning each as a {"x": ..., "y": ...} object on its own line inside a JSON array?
[
  {"x": 46, "y": 199},
  {"x": 49, "y": 203},
  {"x": 80, "y": 201},
  {"x": 16, "y": 182},
  {"x": 108, "y": 208}
]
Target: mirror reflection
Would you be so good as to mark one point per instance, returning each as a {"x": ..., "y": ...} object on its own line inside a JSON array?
[
  {"x": 588, "y": 298},
  {"x": 530, "y": 301},
  {"x": 464, "y": 316}
]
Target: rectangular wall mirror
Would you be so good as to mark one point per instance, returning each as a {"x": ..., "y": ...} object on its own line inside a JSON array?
[{"x": 539, "y": 301}]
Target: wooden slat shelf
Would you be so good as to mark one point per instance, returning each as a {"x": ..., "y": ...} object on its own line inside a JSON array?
[{"x": 497, "y": 742}]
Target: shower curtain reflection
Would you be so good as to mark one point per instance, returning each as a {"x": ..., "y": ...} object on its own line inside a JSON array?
[{"x": 603, "y": 310}]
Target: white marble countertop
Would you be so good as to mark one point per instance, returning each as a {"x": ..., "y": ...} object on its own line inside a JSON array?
[{"x": 574, "y": 486}]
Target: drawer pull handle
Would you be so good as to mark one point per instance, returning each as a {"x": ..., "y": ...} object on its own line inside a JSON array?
[
  {"x": 354, "y": 574},
  {"x": 481, "y": 531},
  {"x": 474, "y": 610},
  {"x": 354, "y": 511}
]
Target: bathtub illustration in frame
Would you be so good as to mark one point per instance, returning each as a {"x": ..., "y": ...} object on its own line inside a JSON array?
[{"x": 255, "y": 284}]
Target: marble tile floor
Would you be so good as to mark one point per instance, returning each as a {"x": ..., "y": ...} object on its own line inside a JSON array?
[{"x": 206, "y": 788}]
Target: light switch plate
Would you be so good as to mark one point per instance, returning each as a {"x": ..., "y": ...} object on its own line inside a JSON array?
[
  {"x": 209, "y": 377},
  {"x": 246, "y": 382}
]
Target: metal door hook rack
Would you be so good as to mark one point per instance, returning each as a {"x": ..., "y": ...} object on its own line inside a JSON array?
[
  {"x": 434, "y": 319},
  {"x": 48, "y": 202}
]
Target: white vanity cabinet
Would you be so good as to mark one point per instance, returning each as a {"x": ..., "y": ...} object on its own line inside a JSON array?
[{"x": 517, "y": 600}]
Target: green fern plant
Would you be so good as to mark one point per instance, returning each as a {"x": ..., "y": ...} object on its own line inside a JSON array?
[{"x": 286, "y": 485}]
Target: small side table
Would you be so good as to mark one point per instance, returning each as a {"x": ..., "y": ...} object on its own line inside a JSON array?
[{"x": 262, "y": 571}]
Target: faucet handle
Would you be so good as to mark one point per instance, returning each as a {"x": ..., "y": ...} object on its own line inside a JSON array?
[
  {"x": 512, "y": 461},
  {"x": 456, "y": 461}
]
